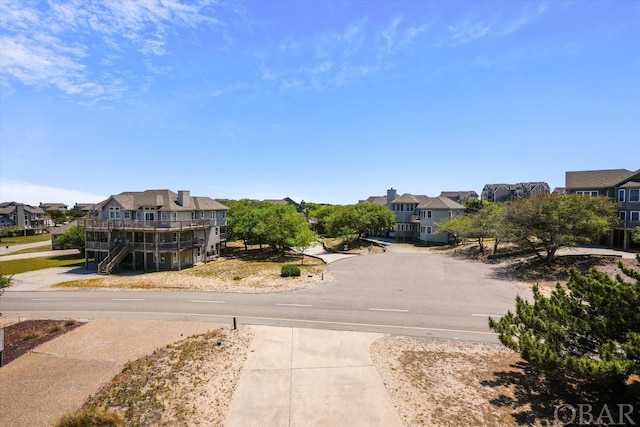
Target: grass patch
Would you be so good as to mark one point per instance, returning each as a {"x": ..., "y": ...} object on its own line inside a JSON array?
[
  {"x": 21, "y": 240},
  {"x": 90, "y": 417},
  {"x": 17, "y": 266},
  {"x": 29, "y": 251},
  {"x": 82, "y": 283}
]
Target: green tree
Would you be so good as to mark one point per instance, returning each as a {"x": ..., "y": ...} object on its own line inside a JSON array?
[
  {"x": 280, "y": 225},
  {"x": 548, "y": 222},
  {"x": 244, "y": 220},
  {"x": 478, "y": 224},
  {"x": 458, "y": 226},
  {"x": 591, "y": 327},
  {"x": 57, "y": 216},
  {"x": 5, "y": 282},
  {"x": 354, "y": 220},
  {"x": 303, "y": 239},
  {"x": 72, "y": 239},
  {"x": 635, "y": 236}
]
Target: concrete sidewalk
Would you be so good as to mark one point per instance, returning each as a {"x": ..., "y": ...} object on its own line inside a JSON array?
[
  {"x": 308, "y": 377},
  {"x": 292, "y": 377}
]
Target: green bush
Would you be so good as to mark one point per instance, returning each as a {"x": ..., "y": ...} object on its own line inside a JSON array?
[
  {"x": 290, "y": 270},
  {"x": 89, "y": 417}
]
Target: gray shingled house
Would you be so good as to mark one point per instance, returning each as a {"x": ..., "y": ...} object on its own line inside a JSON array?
[
  {"x": 154, "y": 230},
  {"x": 621, "y": 186},
  {"x": 416, "y": 215}
]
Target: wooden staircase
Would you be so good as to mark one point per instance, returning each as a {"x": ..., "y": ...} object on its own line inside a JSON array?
[{"x": 114, "y": 257}]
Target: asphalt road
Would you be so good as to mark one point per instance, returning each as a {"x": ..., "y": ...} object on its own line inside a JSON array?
[{"x": 424, "y": 294}]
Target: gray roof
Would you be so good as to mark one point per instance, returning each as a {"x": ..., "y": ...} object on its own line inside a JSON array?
[
  {"x": 596, "y": 179},
  {"x": 8, "y": 207},
  {"x": 439, "y": 202},
  {"x": 162, "y": 200},
  {"x": 378, "y": 200},
  {"x": 409, "y": 198}
]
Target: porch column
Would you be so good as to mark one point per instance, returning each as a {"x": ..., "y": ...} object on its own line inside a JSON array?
[
  {"x": 156, "y": 238},
  {"x": 179, "y": 250},
  {"x": 144, "y": 249}
]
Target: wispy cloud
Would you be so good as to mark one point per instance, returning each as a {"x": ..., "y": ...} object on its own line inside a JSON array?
[
  {"x": 469, "y": 29},
  {"x": 339, "y": 58},
  {"x": 68, "y": 44}
]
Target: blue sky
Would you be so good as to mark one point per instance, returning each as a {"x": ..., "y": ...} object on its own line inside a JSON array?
[{"x": 325, "y": 101}]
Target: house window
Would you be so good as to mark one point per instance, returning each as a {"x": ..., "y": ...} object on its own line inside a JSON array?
[
  {"x": 174, "y": 216},
  {"x": 216, "y": 231},
  {"x": 164, "y": 216},
  {"x": 114, "y": 212},
  {"x": 591, "y": 193},
  {"x": 429, "y": 229},
  {"x": 193, "y": 215},
  {"x": 429, "y": 214},
  {"x": 450, "y": 214},
  {"x": 149, "y": 214},
  {"x": 634, "y": 216},
  {"x": 622, "y": 215},
  {"x": 634, "y": 195},
  {"x": 621, "y": 195},
  {"x": 127, "y": 214}
]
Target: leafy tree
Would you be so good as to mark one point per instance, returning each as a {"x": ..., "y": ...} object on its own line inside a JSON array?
[
  {"x": 320, "y": 213},
  {"x": 5, "y": 282},
  {"x": 280, "y": 225},
  {"x": 356, "y": 219},
  {"x": 57, "y": 216},
  {"x": 479, "y": 224},
  {"x": 635, "y": 236},
  {"x": 591, "y": 327},
  {"x": 72, "y": 239},
  {"x": 474, "y": 205},
  {"x": 458, "y": 226},
  {"x": 244, "y": 220},
  {"x": 552, "y": 221},
  {"x": 303, "y": 239}
]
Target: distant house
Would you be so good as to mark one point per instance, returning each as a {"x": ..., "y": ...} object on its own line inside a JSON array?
[
  {"x": 53, "y": 207},
  {"x": 27, "y": 219},
  {"x": 460, "y": 196},
  {"x": 621, "y": 186},
  {"x": 506, "y": 192},
  {"x": 87, "y": 209},
  {"x": 416, "y": 216},
  {"x": 155, "y": 229},
  {"x": 59, "y": 231}
]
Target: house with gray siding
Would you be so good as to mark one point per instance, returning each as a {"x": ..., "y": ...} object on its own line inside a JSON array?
[
  {"x": 154, "y": 230},
  {"x": 619, "y": 185},
  {"x": 27, "y": 219},
  {"x": 416, "y": 215}
]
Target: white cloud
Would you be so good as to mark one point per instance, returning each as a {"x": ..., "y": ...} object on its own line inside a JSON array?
[
  {"x": 68, "y": 44},
  {"x": 34, "y": 194}
]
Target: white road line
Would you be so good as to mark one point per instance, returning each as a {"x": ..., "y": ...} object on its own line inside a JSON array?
[
  {"x": 388, "y": 309},
  {"x": 488, "y": 315},
  {"x": 128, "y": 299},
  {"x": 294, "y": 305},
  {"x": 209, "y": 301}
]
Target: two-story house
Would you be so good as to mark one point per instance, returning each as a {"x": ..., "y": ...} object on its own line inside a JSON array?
[
  {"x": 417, "y": 215},
  {"x": 154, "y": 230},
  {"x": 25, "y": 218},
  {"x": 621, "y": 186}
]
